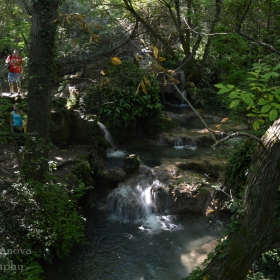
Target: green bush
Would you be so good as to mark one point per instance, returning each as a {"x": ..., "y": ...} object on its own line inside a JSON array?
[
  {"x": 120, "y": 87},
  {"x": 266, "y": 267},
  {"x": 206, "y": 97},
  {"x": 41, "y": 218},
  {"x": 238, "y": 164}
]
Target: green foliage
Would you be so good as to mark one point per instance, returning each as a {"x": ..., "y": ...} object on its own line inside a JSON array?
[
  {"x": 260, "y": 93},
  {"x": 238, "y": 165},
  {"x": 51, "y": 218},
  {"x": 266, "y": 267},
  {"x": 233, "y": 55},
  {"x": 120, "y": 88},
  {"x": 207, "y": 98},
  {"x": 41, "y": 218},
  {"x": 5, "y": 129}
]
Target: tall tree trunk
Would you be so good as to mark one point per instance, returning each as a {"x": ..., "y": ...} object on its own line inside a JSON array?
[
  {"x": 256, "y": 232},
  {"x": 209, "y": 40},
  {"x": 41, "y": 67}
]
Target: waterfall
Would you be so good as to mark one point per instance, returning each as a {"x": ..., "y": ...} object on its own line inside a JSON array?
[
  {"x": 138, "y": 199},
  {"x": 183, "y": 102},
  {"x": 116, "y": 156},
  {"x": 188, "y": 143},
  {"x": 107, "y": 135}
]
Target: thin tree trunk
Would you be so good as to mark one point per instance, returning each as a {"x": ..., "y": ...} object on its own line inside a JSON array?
[{"x": 255, "y": 233}]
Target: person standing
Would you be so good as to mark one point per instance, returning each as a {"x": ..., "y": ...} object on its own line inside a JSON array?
[
  {"x": 16, "y": 126},
  {"x": 15, "y": 68}
]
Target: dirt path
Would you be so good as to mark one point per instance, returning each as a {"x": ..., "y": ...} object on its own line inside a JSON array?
[{"x": 9, "y": 160}]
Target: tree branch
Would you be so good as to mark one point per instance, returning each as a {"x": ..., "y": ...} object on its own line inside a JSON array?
[
  {"x": 267, "y": 46},
  {"x": 236, "y": 134}
]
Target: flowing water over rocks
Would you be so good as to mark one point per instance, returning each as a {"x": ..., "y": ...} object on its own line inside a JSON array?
[{"x": 135, "y": 235}]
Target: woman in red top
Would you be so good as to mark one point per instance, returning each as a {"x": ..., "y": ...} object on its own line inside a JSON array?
[{"x": 15, "y": 68}]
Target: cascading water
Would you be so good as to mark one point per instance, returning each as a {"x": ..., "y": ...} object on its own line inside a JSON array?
[
  {"x": 134, "y": 236},
  {"x": 107, "y": 135},
  {"x": 183, "y": 102},
  {"x": 188, "y": 143},
  {"x": 116, "y": 155},
  {"x": 138, "y": 199}
]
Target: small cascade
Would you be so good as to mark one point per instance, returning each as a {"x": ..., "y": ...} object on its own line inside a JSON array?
[
  {"x": 138, "y": 199},
  {"x": 116, "y": 156},
  {"x": 188, "y": 143},
  {"x": 107, "y": 135},
  {"x": 183, "y": 102}
]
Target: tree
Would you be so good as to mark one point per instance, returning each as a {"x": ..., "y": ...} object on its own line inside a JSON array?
[
  {"x": 41, "y": 68},
  {"x": 257, "y": 230}
]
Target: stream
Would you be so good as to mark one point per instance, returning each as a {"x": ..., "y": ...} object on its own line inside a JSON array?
[
  {"x": 164, "y": 247},
  {"x": 131, "y": 238}
]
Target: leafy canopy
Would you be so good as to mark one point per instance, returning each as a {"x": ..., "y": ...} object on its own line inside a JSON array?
[{"x": 260, "y": 93}]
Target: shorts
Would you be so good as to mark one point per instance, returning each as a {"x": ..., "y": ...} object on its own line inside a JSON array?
[{"x": 13, "y": 77}]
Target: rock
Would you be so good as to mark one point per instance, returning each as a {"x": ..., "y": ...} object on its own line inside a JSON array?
[{"x": 131, "y": 163}]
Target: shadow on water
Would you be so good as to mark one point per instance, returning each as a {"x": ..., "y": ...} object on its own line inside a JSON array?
[
  {"x": 134, "y": 251},
  {"x": 152, "y": 154}
]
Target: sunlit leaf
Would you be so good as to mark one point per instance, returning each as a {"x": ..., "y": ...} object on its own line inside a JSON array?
[
  {"x": 219, "y": 85},
  {"x": 143, "y": 86},
  {"x": 155, "y": 50},
  {"x": 102, "y": 83},
  {"x": 273, "y": 74},
  {"x": 261, "y": 102},
  {"x": 234, "y": 94},
  {"x": 138, "y": 88},
  {"x": 248, "y": 100},
  {"x": 224, "y": 90},
  {"x": 265, "y": 108},
  {"x": 256, "y": 125},
  {"x": 234, "y": 103},
  {"x": 273, "y": 115},
  {"x": 276, "y": 67},
  {"x": 170, "y": 72},
  {"x": 164, "y": 81},
  {"x": 175, "y": 81},
  {"x": 147, "y": 82},
  {"x": 115, "y": 60},
  {"x": 224, "y": 120}
]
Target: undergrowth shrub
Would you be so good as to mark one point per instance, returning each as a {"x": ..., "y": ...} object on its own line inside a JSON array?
[
  {"x": 266, "y": 267},
  {"x": 128, "y": 106},
  {"x": 238, "y": 165},
  {"x": 42, "y": 220},
  {"x": 207, "y": 98}
]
